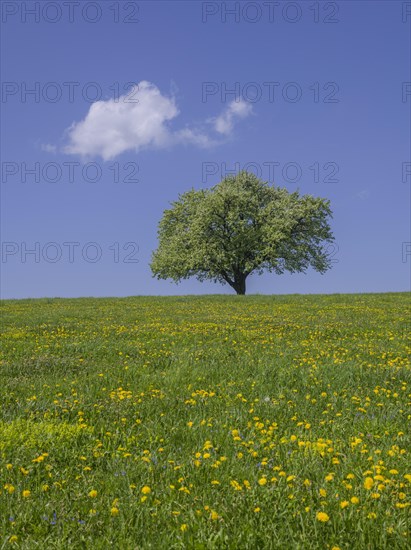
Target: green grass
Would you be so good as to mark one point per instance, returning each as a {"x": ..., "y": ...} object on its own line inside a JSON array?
[{"x": 245, "y": 417}]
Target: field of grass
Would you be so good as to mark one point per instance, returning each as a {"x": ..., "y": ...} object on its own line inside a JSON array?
[{"x": 206, "y": 422}]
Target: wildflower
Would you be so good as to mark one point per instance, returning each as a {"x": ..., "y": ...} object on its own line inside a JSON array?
[
  {"x": 262, "y": 481},
  {"x": 236, "y": 485},
  {"x": 184, "y": 527},
  {"x": 258, "y": 509},
  {"x": 323, "y": 492},
  {"x": 355, "y": 500},
  {"x": 93, "y": 493},
  {"x": 10, "y": 466},
  {"x": 214, "y": 515},
  {"x": 146, "y": 490},
  {"x": 26, "y": 493},
  {"x": 368, "y": 483},
  {"x": 114, "y": 511},
  {"x": 13, "y": 539},
  {"x": 323, "y": 517},
  {"x": 344, "y": 504}
]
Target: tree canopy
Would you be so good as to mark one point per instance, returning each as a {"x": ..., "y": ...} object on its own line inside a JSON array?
[{"x": 241, "y": 226}]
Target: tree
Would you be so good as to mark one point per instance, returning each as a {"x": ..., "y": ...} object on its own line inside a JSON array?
[{"x": 241, "y": 226}]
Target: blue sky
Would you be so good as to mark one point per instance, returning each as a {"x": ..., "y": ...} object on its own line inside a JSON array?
[{"x": 319, "y": 102}]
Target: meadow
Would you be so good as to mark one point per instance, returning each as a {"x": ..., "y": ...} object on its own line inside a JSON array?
[{"x": 206, "y": 422}]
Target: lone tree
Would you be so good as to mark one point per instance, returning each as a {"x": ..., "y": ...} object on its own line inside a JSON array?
[{"x": 241, "y": 226}]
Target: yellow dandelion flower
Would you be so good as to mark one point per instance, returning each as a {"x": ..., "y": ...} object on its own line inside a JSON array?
[
  {"x": 146, "y": 490},
  {"x": 323, "y": 517},
  {"x": 93, "y": 493},
  {"x": 368, "y": 483},
  {"x": 344, "y": 504},
  {"x": 183, "y": 527},
  {"x": 114, "y": 511},
  {"x": 26, "y": 493},
  {"x": 355, "y": 500},
  {"x": 262, "y": 481}
]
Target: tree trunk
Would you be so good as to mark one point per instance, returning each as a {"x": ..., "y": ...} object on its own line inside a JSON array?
[{"x": 239, "y": 284}]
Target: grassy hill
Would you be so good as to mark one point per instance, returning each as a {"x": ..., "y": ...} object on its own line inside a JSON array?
[{"x": 206, "y": 422}]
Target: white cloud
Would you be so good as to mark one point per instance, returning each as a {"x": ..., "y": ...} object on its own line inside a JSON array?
[
  {"x": 48, "y": 148},
  {"x": 132, "y": 122},
  {"x": 194, "y": 137},
  {"x": 224, "y": 123},
  {"x": 141, "y": 120}
]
